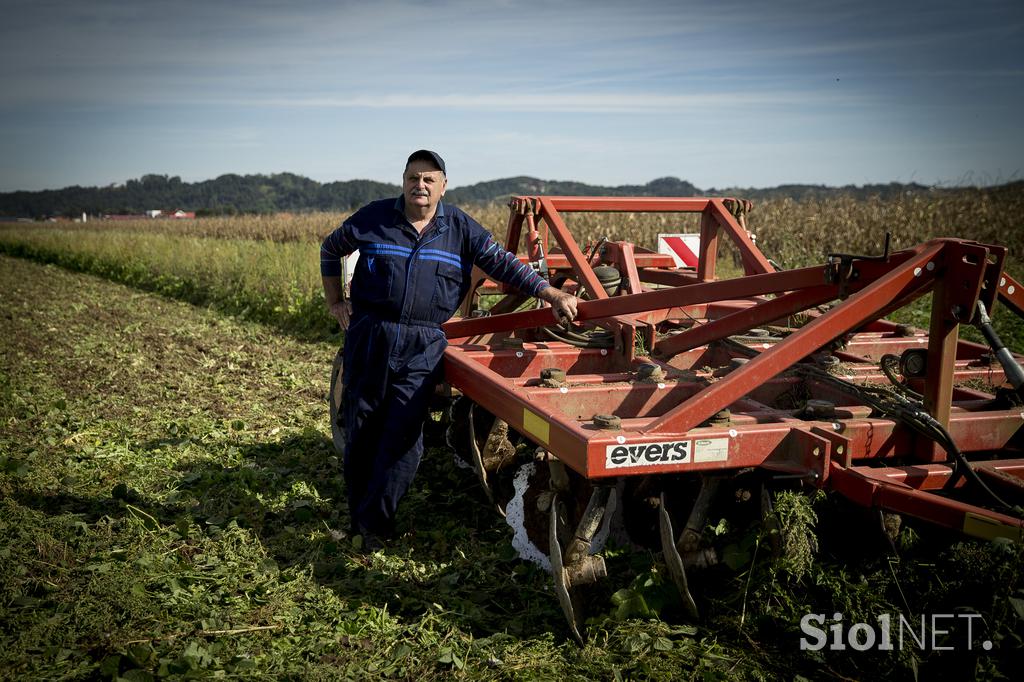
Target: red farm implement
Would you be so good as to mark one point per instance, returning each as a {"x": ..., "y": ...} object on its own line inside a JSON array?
[{"x": 672, "y": 383}]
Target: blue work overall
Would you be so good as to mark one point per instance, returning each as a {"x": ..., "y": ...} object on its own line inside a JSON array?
[{"x": 406, "y": 284}]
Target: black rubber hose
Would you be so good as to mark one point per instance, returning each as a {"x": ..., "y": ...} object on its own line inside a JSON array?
[
  {"x": 1014, "y": 373},
  {"x": 914, "y": 417},
  {"x": 584, "y": 342},
  {"x": 886, "y": 362}
]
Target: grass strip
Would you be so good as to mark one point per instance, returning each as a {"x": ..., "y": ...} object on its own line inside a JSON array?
[{"x": 269, "y": 282}]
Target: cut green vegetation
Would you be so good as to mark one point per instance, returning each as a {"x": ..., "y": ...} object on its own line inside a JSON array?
[{"x": 172, "y": 506}]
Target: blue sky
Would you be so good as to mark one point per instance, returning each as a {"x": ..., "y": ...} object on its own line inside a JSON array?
[{"x": 723, "y": 94}]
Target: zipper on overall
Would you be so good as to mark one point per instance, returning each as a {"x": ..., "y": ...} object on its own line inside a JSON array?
[{"x": 405, "y": 288}]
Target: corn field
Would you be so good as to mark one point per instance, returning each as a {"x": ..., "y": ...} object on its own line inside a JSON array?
[{"x": 794, "y": 233}]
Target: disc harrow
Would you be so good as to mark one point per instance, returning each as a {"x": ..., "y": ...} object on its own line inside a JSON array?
[{"x": 675, "y": 389}]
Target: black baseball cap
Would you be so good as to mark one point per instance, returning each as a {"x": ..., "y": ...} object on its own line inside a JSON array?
[{"x": 427, "y": 155}]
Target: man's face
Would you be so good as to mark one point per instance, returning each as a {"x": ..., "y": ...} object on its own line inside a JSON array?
[{"x": 423, "y": 185}]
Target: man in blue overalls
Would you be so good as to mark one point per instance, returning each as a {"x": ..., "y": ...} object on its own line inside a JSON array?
[{"x": 416, "y": 257}]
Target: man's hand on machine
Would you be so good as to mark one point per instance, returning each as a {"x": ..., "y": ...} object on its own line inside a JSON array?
[{"x": 563, "y": 305}]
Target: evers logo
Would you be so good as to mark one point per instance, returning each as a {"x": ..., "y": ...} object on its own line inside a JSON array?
[{"x": 646, "y": 454}]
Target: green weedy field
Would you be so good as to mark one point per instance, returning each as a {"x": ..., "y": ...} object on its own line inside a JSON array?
[{"x": 171, "y": 507}]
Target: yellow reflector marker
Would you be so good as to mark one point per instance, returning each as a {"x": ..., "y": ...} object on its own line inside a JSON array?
[
  {"x": 988, "y": 529},
  {"x": 536, "y": 425}
]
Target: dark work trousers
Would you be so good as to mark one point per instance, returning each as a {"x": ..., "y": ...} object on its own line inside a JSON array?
[{"x": 390, "y": 372}]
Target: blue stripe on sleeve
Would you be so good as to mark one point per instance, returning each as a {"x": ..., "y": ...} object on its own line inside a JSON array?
[{"x": 506, "y": 267}]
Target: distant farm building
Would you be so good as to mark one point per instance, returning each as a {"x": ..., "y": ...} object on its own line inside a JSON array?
[{"x": 176, "y": 214}]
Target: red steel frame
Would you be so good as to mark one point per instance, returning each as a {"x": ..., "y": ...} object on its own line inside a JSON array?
[{"x": 847, "y": 452}]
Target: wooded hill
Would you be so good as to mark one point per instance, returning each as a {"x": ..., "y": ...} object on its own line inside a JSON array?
[{"x": 232, "y": 193}]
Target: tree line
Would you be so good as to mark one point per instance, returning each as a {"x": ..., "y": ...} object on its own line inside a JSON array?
[
  {"x": 231, "y": 194},
  {"x": 225, "y": 195}
]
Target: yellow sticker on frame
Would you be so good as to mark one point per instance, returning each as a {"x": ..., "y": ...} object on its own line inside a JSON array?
[
  {"x": 536, "y": 425},
  {"x": 988, "y": 529}
]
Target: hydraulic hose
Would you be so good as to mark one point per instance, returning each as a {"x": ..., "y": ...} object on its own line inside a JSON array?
[
  {"x": 579, "y": 340},
  {"x": 886, "y": 363},
  {"x": 913, "y": 415},
  {"x": 1013, "y": 371}
]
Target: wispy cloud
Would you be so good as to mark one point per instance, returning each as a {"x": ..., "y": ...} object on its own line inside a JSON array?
[{"x": 609, "y": 102}]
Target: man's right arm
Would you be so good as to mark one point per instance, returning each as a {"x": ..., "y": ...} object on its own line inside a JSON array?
[
  {"x": 332, "y": 250},
  {"x": 339, "y": 306}
]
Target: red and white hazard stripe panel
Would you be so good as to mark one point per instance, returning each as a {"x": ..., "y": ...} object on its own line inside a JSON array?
[{"x": 682, "y": 247}]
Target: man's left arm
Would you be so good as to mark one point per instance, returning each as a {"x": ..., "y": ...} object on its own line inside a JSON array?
[{"x": 506, "y": 267}]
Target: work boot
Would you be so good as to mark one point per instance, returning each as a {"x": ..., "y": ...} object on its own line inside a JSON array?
[{"x": 369, "y": 542}]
